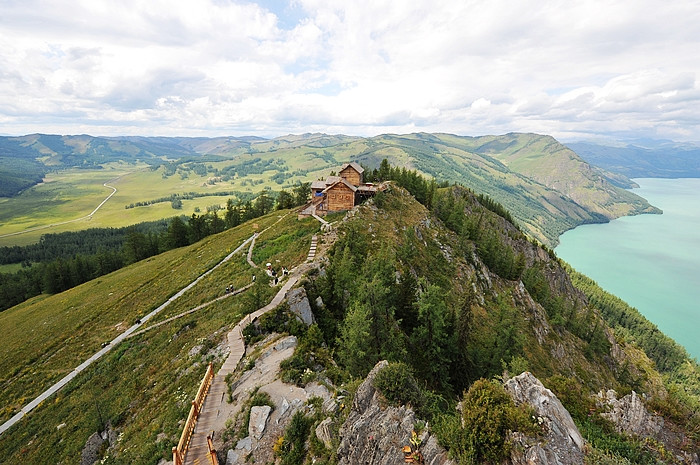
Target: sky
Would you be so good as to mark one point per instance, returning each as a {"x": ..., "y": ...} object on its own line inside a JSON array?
[{"x": 572, "y": 69}]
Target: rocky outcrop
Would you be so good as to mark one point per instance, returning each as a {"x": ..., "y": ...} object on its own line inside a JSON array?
[
  {"x": 258, "y": 420},
  {"x": 324, "y": 433},
  {"x": 630, "y": 416},
  {"x": 562, "y": 442},
  {"x": 375, "y": 434},
  {"x": 300, "y": 306}
]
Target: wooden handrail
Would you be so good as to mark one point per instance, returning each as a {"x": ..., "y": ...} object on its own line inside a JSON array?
[
  {"x": 212, "y": 452},
  {"x": 180, "y": 451}
]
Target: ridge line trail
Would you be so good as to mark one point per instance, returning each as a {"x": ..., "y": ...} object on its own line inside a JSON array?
[
  {"x": 127, "y": 333},
  {"x": 75, "y": 220},
  {"x": 198, "y": 449}
]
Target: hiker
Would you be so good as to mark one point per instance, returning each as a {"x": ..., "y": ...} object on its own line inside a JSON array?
[
  {"x": 285, "y": 271},
  {"x": 254, "y": 277},
  {"x": 231, "y": 288}
]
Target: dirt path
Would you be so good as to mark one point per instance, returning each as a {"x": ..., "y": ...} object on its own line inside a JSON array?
[{"x": 210, "y": 414}]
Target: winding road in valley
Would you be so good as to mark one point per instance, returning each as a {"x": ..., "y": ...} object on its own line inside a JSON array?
[{"x": 86, "y": 217}]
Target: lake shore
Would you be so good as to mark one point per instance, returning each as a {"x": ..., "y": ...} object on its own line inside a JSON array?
[{"x": 650, "y": 261}]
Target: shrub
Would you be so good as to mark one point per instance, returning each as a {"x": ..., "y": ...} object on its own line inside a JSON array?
[
  {"x": 488, "y": 415},
  {"x": 397, "y": 384},
  {"x": 292, "y": 450}
]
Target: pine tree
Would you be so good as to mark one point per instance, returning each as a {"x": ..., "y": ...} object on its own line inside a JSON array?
[
  {"x": 354, "y": 348},
  {"x": 177, "y": 233},
  {"x": 430, "y": 338}
]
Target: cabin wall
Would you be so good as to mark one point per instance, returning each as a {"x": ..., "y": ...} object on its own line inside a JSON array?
[
  {"x": 340, "y": 198},
  {"x": 351, "y": 176}
]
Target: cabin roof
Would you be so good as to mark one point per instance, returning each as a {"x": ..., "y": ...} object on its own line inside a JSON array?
[
  {"x": 322, "y": 184},
  {"x": 340, "y": 181},
  {"x": 354, "y": 166}
]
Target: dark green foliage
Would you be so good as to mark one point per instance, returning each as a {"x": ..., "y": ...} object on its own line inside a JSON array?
[
  {"x": 398, "y": 386},
  {"x": 301, "y": 193},
  {"x": 421, "y": 188},
  {"x": 601, "y": 435},
  {"x": 284, "y": 200},
  {"x": 178, "y": 198},
  {"x": 293, "y": 449},
  {"x": 498, "y": 340},
  {"x": 432, "y": 343},
  {"x": 310, "y": 356},
  {"x": 450, "y": 206}
]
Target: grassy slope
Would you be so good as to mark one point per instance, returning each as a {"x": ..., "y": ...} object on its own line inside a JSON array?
[
  {"x": 547, "y": 161},
  {"x": 543, "y": 212},
  {"x": 143, "y": 385}
]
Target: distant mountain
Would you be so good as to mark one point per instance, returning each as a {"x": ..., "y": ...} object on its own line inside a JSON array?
[
  {"x": 547, "y": 187},
  {"x": 643, "y": 158}
]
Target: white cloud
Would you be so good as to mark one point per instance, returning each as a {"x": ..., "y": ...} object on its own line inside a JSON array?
[{"x": 214, "y": 67}]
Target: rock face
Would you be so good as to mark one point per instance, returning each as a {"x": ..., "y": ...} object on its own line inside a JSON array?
[
  {"x": 258, "y": 420},
  {"x": 94, "y": 445},
  {"x": 300, "y": 306},
  {"x": 375, "y": 435},
  {"x": 323, "y": 432},
  {"x": 562, "y": 444},
  {"x": 630, "y": 416}
]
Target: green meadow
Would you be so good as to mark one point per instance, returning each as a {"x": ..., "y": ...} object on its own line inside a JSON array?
[{"x": 143, "y": 386}]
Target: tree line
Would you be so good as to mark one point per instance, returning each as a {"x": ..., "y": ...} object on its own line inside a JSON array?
[
  {"x": 69, "y": 259},
  {"x": 188, "y": 196}
]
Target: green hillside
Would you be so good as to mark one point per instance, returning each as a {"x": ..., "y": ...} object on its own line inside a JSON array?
[
  {"x": 146, "y": 382},
  {"x": 456, "y": 293}
]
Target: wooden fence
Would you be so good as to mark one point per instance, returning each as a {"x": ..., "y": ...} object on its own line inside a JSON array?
[
  {"x": 180, "y": 451},
  {"x": 212, "y": 452}
]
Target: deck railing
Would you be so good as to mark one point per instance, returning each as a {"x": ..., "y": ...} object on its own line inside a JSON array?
[
  {"x": 212, "y": 452},
  {"x": 180, "y": 451}
]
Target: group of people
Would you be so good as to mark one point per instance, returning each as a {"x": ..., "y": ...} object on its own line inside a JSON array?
[
  {"x": 273, "y": 274},
  {"x": 229, "y": 289}
]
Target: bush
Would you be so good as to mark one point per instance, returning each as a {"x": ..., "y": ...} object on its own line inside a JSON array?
[
  {"x": 488, "y": 415},
  {"x": 397, "y": 384},
  {"x": 292, "y": 449}
]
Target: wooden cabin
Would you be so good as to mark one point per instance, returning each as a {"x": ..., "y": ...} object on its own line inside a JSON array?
[{"x": 339, "y": 193}]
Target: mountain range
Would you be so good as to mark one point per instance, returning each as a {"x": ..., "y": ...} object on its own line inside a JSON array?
[{"x": 547, "y": 187}]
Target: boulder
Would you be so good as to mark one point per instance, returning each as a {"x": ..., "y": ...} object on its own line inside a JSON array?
[
  {"x": 299, "y": 305},
  {"x": 233, "y": 457},
  {"x": 562, "y": 442},
  {"x": 323, "y": 432},
  {"x": 258, "y": 420},
  {"x": 91, "y": 451},
  {"x": 630, "y": 416}
]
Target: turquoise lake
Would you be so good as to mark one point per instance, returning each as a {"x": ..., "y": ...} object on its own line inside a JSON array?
[{"x": 652, "y": 262}]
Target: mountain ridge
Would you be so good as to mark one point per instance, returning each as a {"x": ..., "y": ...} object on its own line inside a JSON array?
[{"x": 548, "y": 188}]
